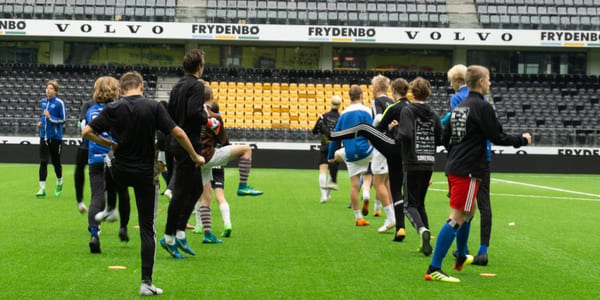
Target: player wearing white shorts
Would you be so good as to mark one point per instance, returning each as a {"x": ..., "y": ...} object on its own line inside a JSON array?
[
  {"x": 357, "y": 151},
  {"x": 379, "y": 167},
  {"x": 213, "y": 134}
]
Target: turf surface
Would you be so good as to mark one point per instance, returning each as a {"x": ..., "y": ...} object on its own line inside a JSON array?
[{"x": 286, "y": 245}]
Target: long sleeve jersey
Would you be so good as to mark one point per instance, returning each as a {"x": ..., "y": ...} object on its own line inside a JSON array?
[
  {"x": 97, "y": 152},
  {"x": 473, "y": 122},
  {"x": 356, "y": 148},
  {"x": 419, "y": 132},
  {"x": 52, "y": 127}
]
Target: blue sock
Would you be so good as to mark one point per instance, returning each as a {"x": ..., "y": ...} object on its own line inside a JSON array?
[
  {"x": 462, "y": 237},
  {"x": 482, "y": 249},
  {"x": 442, "y": 244},
  {"x": 94, "y": 231}
]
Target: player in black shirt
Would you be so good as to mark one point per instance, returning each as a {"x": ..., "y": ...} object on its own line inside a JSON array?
[
  {"x": 472, "y": 123},
  {"x": 186, "y": 107},
  {"x": 133, "y": 121},
  {"x": 324, "y": 125},
  {"x": 419, "y": 131}
]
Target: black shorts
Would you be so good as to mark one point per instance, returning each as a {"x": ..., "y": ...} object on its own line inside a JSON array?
[
  {"x": 218, "y": 181},
  {"x": 323, "y": 157}
]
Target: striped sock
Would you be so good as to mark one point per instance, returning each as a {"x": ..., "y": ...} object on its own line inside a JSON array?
[
  {"x": 244, "y": 165},
  {"x": 206, "y": 218}
]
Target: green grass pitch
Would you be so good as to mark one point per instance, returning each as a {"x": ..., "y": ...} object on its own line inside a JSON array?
[{"x": 286, "y": 245}]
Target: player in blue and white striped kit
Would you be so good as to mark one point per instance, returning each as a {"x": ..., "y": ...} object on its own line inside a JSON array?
[
  {"x": 357, "y": 151},
  {"x": 51, "y": 125}
]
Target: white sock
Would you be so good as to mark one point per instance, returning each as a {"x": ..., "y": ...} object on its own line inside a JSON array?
[
  {"x": 422, "y": 229},
  {"x": 59, "y": 180},
  {"x": 389, "y": 213},
  {"x": 42, "y": 185},
  {"x": 377, "y": 205},
  {"x": 169, "y": 239},
  {"x": 357, "y": 214},
  {"x": 180, "y": 234},
  {"x": 323, "y": 184},
  {"x": 224, "y": 207},
  {"x": 198, "y": 219},
  {"x": 366, "y": 195}
]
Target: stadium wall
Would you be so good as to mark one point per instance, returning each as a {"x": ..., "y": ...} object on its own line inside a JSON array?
[{"x": 567, "y": 160}]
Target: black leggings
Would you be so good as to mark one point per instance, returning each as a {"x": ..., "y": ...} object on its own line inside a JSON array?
[
  {"x": 485, "y": 208},
  {"x": 80, "y": 163},
  {"x": 388, "y": 147},
  {"x": 145, "y": 187},
  {"x": 50, "y": 149},
  {"x": 416, "y": 184},
  {"x": 102, "y": 183}
]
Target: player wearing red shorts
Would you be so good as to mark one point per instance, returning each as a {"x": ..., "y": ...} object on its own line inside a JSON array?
[{"x": 472, "y": 122}]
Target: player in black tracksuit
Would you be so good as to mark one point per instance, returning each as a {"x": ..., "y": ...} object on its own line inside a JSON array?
[
  {"x": 419, "y": 132},
  {"x": 383, "y": 140},
  {"x": 324, "y": 126},
  {"x": 186, "y": 107},
  {"x": 472, "y": 123},
  {"x": 81, "y": 159}
]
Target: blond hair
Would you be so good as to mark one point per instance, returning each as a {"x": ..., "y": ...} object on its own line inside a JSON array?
[
  {"x": 457, "y": 74},
  {"x": 106, "y": 88},
  {"x": 381, "y": 82}
]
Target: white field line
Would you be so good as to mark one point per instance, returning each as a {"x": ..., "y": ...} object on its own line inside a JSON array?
[
  {"x": 546, "y": 187},
  {"x": 530, "y": 196}
]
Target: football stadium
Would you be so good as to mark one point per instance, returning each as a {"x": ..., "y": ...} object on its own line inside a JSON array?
[{"x": 273, "y": 68}]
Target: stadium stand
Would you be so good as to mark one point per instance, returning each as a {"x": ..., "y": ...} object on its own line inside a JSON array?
[
  {"x": 262, "y": 104},
  {"x": 539, "y": 14},
  {"x": 430, "y": 13},
  {"x": 106, "y": 10}
]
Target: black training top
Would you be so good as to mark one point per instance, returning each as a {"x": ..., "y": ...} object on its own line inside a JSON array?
[
  {"x": 325, "y": 126},
  {"x": 419, "y": 132},
  {"x": 473, "y": 122},
  {"x": 186, "y": 107},
  {"x": 391, "y": 113},
  {"x": 133, "y": 121}
]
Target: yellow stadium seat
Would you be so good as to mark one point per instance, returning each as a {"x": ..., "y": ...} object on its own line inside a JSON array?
[
  {"x": 301, "y": 87},
  {"x": 266, "y": 86},
  {"x": 285, "y": 86},
  {"x": 275, "y": 86},
  {"x": 293, "y": 88}
]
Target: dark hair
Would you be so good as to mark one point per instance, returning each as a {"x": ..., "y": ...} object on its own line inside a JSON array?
[
  {"x": 400, "y": 86},
  {"x": 355, "y": 92},
  {"x": 193, "y": 61},
  {"x": 131, "y": 80},
  {"x": 420, "y": 88}
]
